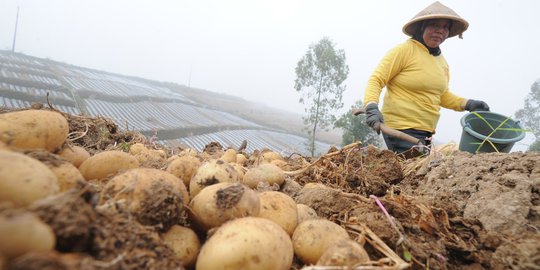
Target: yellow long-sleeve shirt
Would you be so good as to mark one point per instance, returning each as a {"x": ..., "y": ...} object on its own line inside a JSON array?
[{"x": 417, "y": 87}]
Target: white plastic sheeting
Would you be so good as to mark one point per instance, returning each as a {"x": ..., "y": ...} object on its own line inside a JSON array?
[{"x": 279, "y": 142}]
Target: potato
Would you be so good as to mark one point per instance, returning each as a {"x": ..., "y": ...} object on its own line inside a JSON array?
[
  {"x": 212, "y": 172},
  {"x": 151, "y": 158},
  {"x": 247, "y": 243},
  {"x": 137, "y": 148},
  {"x": 279, "y": 208},
  {"x": 229, "y": 156},
  {"x": 24, "y": 232},
  {"x": 241, "y": 159},
  {"x": 66, "y": 173},
  {"x": 221, "y": 202},
  {"x": 154, "y": 197},
  {"x": 33, "y": 129},
  {"x": 74, "y": 154},
  {"x": 184, "y": 242},
  {"x": 265, "y": 172},
  {"x": 346, "y": 253},
  {"x": 313, "y": 237},
  {"x": 106, "y": 164},
  {"x": 240, "y": 170},
  {"x": 148, "y": 157},
  {"x": 268, "y": 156},
  {"x": 24, "y": 179},
  {"x": 281, "y": 163},
  {"x": 305, "y": 212},
  {"x": 184, "y": 167}
]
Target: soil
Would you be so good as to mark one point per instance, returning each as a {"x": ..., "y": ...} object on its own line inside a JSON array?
[{"x": 448, "y": 210}]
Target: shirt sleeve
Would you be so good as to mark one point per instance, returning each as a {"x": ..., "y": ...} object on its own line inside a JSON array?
[
  {"x": 391, "y": 64},
  {"x": 451, "y": 101}
]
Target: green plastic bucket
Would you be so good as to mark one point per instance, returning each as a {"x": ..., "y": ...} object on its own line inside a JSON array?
[{"x": 476, "y": 130}]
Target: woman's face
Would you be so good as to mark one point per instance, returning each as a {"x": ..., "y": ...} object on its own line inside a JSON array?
[{"x": 436, "y": 32}]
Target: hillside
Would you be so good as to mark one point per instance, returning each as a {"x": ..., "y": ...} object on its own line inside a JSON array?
[{"x": 256, "y": 112}]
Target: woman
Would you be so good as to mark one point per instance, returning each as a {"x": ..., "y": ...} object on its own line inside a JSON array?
[{"x": 416, "y": 76}]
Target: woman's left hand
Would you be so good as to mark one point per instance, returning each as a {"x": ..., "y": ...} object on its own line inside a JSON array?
[{"x": 476, "y": 105}]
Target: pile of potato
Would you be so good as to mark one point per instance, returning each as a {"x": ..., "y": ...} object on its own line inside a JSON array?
[{"x": 222, "y": 210}]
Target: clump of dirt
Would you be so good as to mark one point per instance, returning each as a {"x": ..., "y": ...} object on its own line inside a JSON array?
[
  {"x": 98, "y": 133},
  {"x": 451, "y": 211},
  {"x": 106, "y": 233}
]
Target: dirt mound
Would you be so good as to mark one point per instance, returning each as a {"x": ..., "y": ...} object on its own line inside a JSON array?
[{"x": 449, "y": 210}]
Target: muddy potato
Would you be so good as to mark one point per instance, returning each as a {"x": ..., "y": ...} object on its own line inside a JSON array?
[
  {"x": 24, "y": 232},
  {"x": 184, "y": 243},
  {"x": 313, "y": 237},
  {"x": 247, "y": 243},
  {"x": 74, "y": 154},
  {"x": 279, "y": 208},
  {"x": 107, "y": 163},
  {"x": 154, "y": 197},
  {"x": 184, "y": 167},
  {"x": 210, "y": 173},
  {"x": 265, "y": 172},
  {"x": 24, "y": 179},
  {"x": 346, "y": 253},
  {"x": 147, "y": 157},
  {"x": 219, "y": 203},
  {"x": 305, "y": 212},
  {"x": 32, "y": 129}
]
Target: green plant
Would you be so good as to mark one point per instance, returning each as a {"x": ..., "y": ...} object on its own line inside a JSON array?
[{"x": 493, "y": 131}]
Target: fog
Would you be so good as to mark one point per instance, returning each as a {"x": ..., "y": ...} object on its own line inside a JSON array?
[{"x": 249, "y": 48}]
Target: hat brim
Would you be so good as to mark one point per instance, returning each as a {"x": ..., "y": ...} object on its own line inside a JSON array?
[{"x": 459, "y": 25}]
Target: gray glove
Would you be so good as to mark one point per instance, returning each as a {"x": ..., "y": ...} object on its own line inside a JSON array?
[
  {"x": 374, "y": 117},
  {"x": 476, "y": 105}
]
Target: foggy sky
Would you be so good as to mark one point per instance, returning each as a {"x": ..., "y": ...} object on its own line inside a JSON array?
[{"x": 249, "y": 48}]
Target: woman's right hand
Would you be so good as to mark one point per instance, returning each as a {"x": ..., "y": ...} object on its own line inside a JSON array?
[{"x": 374, "y": 117}]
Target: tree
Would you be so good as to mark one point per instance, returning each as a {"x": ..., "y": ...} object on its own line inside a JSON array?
[
  {"x": 530, "y": 114},
  {"x": 355, "y": 128},
  {"x": 319, "y": 78}
]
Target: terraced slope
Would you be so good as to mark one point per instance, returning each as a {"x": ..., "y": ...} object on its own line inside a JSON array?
[{"x": 153, "y": 108}]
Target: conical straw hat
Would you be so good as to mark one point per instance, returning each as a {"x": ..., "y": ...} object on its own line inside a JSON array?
[{"x": 437, "y": 11}]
